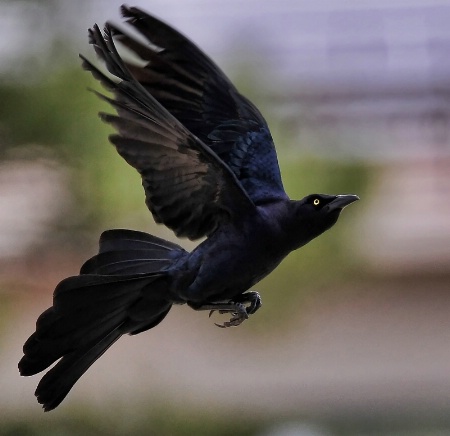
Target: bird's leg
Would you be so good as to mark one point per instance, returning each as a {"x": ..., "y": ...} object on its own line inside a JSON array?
[
  {"x": 237, "y": 309},
  {"x": 252, "y": 297}
]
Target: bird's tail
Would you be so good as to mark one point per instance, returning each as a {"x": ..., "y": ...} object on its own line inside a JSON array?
[{"x": 120, "y": 290}]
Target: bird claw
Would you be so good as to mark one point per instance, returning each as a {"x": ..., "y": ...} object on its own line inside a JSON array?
[
  {"x": 239, "y": 315},
  {"x": 244, "y": 305}
]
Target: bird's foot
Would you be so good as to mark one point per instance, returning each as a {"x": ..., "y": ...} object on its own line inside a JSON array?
[
  {"x": 238, "y": 311},
  {"x": 239, "y": 315},
  {"x": 240, "y": 308},
  {"x": 252, "y": 298}
]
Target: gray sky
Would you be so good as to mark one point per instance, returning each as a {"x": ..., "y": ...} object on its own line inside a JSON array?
[{"x": 304, "y": 40}]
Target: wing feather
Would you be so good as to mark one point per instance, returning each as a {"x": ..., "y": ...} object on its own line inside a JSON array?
[
  {"x": 187, "y": 186},
  {"x": 198, "y": 94}
]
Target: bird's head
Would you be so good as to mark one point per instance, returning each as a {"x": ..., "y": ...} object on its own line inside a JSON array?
[{"x": 315, "y": 214}]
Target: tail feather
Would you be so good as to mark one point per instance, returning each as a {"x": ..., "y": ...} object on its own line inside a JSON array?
[
  {"x": 123, "y": 239},
  {"x": 126, "y": 262},
  {"x": 131, "y": 252},
  {"x": 79, "y": 316},
  {"x": 57, "y": 383},
  {"x": 92, "y": 310},
  {"x": 79, "y": 293}
]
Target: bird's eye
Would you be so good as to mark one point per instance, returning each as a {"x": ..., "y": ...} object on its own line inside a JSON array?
[{"x": 316, "y": 202}]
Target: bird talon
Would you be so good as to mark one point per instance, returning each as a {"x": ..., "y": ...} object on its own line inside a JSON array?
[
  {"x": 238, "y": 317},
  {"x": 239, "y": 312}
]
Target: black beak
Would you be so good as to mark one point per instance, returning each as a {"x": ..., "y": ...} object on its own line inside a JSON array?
[{"x": 342, "y": 201}]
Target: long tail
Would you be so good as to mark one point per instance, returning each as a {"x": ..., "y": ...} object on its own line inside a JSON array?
[{"x": 120, "y": 290}]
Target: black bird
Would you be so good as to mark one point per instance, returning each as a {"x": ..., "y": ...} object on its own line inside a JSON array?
[{"x": 209, "y": 169}]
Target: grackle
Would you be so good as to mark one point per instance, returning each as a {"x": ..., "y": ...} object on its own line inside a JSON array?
[{"x": 209, "y": 169}]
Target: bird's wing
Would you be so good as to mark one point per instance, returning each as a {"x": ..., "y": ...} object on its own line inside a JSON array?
[
  {"x": 187, "y": 186},
  {"x": 198, "y": 94}
]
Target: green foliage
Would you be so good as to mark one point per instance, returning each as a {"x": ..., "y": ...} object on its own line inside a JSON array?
[{"x": 59, "y": 116}]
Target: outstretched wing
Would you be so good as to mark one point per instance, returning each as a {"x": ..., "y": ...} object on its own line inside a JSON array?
[
  {"x": 187, "y": 186},
  {"x": 198, "y": 94}
]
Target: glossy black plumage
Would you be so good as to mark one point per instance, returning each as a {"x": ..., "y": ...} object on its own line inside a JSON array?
[{"x": 209, "y": 168}]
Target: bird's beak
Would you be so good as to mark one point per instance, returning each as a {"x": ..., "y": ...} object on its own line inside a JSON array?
[{"x": 342, "y": 201}]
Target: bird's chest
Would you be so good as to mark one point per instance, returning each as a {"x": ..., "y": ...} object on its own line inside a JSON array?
[{"x": 233, "y": 262}]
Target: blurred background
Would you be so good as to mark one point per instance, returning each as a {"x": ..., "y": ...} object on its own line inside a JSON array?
[{"x": 354, "y": 334}]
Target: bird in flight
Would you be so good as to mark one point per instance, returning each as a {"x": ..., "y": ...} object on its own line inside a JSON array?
[{"x": 209, "y": 170}]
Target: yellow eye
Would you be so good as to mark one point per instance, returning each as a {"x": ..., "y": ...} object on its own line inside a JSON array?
[{"x": 316, "y": 202}]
